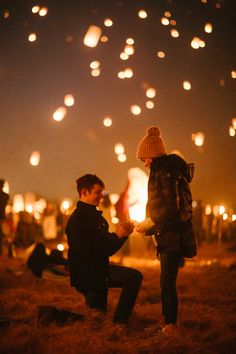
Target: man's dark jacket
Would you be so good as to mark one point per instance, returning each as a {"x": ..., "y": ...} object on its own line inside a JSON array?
[
  {"x": 90, "y": 245},
  {"x": 170, "y": 200}
]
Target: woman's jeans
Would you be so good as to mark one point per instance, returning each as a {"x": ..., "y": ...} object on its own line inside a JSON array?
[
  {"x": 169, "y": 271},
  {"x": 129, "y": 280}
]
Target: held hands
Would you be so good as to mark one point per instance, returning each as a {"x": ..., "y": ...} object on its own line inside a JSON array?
[
  {"x": 145, "y": 225},
  {"x": 123, "y": 230}
]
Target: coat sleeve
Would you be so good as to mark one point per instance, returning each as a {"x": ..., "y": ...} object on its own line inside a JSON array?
[{"x": 165, "y": 201}]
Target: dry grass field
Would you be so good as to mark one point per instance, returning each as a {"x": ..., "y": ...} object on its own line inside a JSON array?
[{"x": 207, "y": 321}]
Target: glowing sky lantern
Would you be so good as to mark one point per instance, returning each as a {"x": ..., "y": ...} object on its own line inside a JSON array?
[
  {"x": 43, "y": 11},
  {"x": 114, "y": 197},
  {"x": 221, "y": 209},
  {"x": 195, "y": 43},
  {"x": 208, "y": 209},
  {"x": 108, "y": 22},
  {"x": 128, "y": 73},
  {"x": 173, "y": 22},
  {"x": 96, "y": 72},
  {"x": 119, "y": 149},
  {"x": 129, "y": 41},
  {"x": 150, "y": 104},
  {"x": 234, "y": 123},
  {"x": 137, "y": 193},
  {"x": 35, "y": 158},
  {"x": 6, "y": 14},
  {"x": 187, "y": 85},
  {"x": 198, "y": 138},
  {"x": 174, "y": 33},
  {"x": 104, "y": 39},
  {"x": 92, "y": 36},
  {"x": 121, "y": 158},
  {"x": 59, "y": 114},
  {"x": 202, "y": 43},
  {"x": 161, "y": 54},
  {"x": 232, "y": 131},
  {"x": 233, "y": 74},
  {"x": 165, "y": 21},
  {"x": 6, "y": 187},
  {"x": 135, "y": 109},
  {"x": 107, "y": 121},
  {"x": 60, "y": 247},
  {"x": 18, "y": 203},
  {"x": 69, "y": 100},
  {"x": 35, "y": 9},
  {"x": 151, "y": 92},
  {"x": 65, "y": 205},
  {"x": 40, "y": 205},
  {"x": 167, "y": 14},
  {"x": 129, "y": 49},
  {"x": 32, "y": 37},
  {"x": 142, "y": 14},
  {"x": 124, "y": 56},
  {"x": 121, "y": 75},
  {"x": 94, "y": 64},
  {"x": 234, "y": 217},
  {"x": 208, "y": 27}
]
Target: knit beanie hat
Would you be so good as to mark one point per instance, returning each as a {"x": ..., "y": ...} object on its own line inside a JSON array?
[{"x": 151, "y": 144}]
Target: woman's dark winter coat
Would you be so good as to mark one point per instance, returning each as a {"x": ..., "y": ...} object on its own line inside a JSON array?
[{"x": 90, "y": 245}]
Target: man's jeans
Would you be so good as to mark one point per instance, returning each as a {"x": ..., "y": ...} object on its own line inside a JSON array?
[
  {"x": 129, "y": 280},
  {"x": 169, "y": 271}
]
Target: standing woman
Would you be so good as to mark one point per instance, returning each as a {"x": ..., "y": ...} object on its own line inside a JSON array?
[{"x": 169, "y": 211}]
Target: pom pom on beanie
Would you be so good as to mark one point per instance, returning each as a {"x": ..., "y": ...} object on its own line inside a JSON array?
[{"x": 151, "y": 145}]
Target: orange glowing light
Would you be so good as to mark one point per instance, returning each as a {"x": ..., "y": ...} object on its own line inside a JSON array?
[
  {"x": 59, "y": 114},
  {"x": 187, "y": 85},
  {"x": 122, "y": 158},
  {"x": 195, "y": 43},
  {"x": 96, "y": 72},
  {"x": 121, "y": 75},
  {"x": 198, "y": 138},
  {"x": 135, "y": 109},
  {"x": 35, "y": 9},
  {"x": 234, "y": 123},
  {"x": 107, "y": 122},
  {"x": 32, "y": 37},
  {"x": 6, "y": 14},
  {"x": 119, "y": 149},
  {"x": 95, "y": 64},
  {"x": 173, "y": 22},
  {"x": 165, "y": 21},
  {"x": 150, "y": 104},
  {"x": 65, "y": 205},
  {"x": 128, "y": 73},
  {"x": 18, "y": 203},
  {"x": 232, "y": 131},
  {"x": 108, "y": 22},
  {"x": 35, "y": 158},
  {"x": 129, "y": 49},
  {"x": 167, "y": 14},
  {"x": 69, "y": 100},
  {"x": 208, "y": 27},
  {"x": 124, "y": 56},
  {"x": 104, "y": 39},
  {"x": 142, "y": 14},
  {"x": 130, "y": 41},
  {"x": 208, "y": 209},
  {"x": 151, "y": 92},
  {"x": 161, "y": 54},
  {"x": 60, "y": 247},
  {"x": 92, "y": 36},
  {"x": 233, "y": 74},
  {"x": 174, "y": 33},
  {"x": 43, "y": 11}
]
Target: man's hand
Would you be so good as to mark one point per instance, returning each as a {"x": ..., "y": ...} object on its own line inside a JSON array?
[
  {"x": 145, "y": 225},
  {"x": 123, "y": 230}
]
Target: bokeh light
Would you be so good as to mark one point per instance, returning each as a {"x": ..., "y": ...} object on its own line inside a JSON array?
[
  {"x": 59, "y": 114},
  {"x": 35, "y": 158},
  {"x": 142, "y": 14},
  {"x": 135, "y": 109},
  {"x": 119, "y": 148},
  {"x": 69, "y": 100},
  {"x": 107, "y": 121}
]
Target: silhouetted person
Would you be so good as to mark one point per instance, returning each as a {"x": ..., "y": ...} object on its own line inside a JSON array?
[{"x": 4, "y": 197}]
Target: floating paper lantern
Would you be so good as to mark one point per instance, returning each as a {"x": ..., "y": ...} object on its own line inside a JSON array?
[
  {"x": 231, "y": 131},
  {"x": 187, "y": 85},
  {"x": 6, "y": 14},
  {"x": 195, "y": 43},
  {"x": 43, "y": 11},
  {"x": 18, "y": 203},
  {"x": 119, "y": 148},
  {"x": 202, "y": 43},
  {"x": 198, "y": 138},
  {"x": 59, "y": 114},
  {"x": 124, "y": 56},
  {"x": 135, "y": 109},
  {"x": 104, "y": 39},
  {"x": 167, "y": 14},
  {"x": 233, "y": 74},
  {"x": 208, "y": 209},
  {"x": 5, "y": 187},
  {"x": 234, "y": 123},
  {"x": 122, "y": 158},
  {"x": 165, "y": 21},
  {"x": 128, "y": 73},
  {"x": 115, "y": 220},
  {"x": 234, "y": 217},
  {"x": 130, "y": 41},
  {"x": 151, "y": 92},
  {"x": 60, "y": 247},
  {"x": 129, "y": 49},
  {"x": 35, "y": 158},
  {"x": 221, "y": 209},
  {"x": 173, "y": 22},
  {"x": 142, "y": 14},
  {"x": 208, "y": 27},
  {"x": 150, "y": 104},
  {"x": 94, "y": 64},
  {"x": 69, "y": 100},
  {"x": 114, "y": 197},
  {"x": 32, "y": 37},
  {"x": 108, "y": 22},
  {"x": 225, "y": 216},
  {"x": 92, "y": 36},
  {"x": 174, "y": 33},
  {"x": 40, "y": 205},
  {"x": 96, "y": 72},
  {"x": 161, "y": 54},
  {"x": 35, "y": 9},
  {"x": 121, "y": 75},
  {"x": 107, "y": 122}
]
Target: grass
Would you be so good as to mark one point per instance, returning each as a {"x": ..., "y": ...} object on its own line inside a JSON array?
[{"x": 207, "y": 296}]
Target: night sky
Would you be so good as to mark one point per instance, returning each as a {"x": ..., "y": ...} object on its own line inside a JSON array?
[{"x": 35, "y": 77}]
